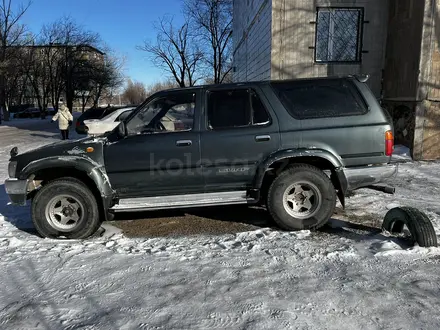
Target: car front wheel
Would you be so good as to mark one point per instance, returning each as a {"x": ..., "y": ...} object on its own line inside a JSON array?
[
  {"x": 65, "y": 208},
  {"x": 302, "y": 197}
]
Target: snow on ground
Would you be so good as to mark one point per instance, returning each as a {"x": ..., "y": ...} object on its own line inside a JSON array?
[
  {"x": 340, "y": 278},
  {"x": 401, "y": 153}
]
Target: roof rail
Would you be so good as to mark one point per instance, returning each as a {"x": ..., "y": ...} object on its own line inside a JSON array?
[{"x": 363, "y": 78}]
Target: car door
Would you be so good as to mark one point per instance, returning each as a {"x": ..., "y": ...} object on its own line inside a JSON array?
[
  {"x": 153, "y": 160},
  {"x": 240, "y": 130}
]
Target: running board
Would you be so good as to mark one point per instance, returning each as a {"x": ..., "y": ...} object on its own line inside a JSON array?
[{"x": 181, "y": 201}]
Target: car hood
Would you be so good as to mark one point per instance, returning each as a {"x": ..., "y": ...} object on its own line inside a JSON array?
[{"x": 75, "y": 148}]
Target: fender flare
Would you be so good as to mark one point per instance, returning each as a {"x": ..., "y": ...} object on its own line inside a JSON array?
[
  {"x": 94, "y": 171},
  {"x": 338, "y": 177}
]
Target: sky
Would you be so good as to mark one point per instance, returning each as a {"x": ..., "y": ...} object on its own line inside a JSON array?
[{"x": 122, "y": 24}]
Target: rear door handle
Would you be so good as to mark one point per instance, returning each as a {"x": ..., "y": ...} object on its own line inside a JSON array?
[
  {"x": 261, "y": 138},
  {"x": 183, "y": 143}
]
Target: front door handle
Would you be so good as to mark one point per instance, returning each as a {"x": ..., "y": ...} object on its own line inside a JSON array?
[
  {"x": 261, "y": 138},
  {"x": 183, "y": 143}
]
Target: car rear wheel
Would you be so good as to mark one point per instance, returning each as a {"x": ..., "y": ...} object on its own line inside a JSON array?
[
  {"x": 65, "y": 208},
  {"x": 302, "y": 197}
]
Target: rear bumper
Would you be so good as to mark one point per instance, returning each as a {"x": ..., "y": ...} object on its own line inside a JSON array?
[
  {"x": 17, "y": 191},
  {"x": 362, "y": 177}
]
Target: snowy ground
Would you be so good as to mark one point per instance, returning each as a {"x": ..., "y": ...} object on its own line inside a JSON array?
[{"x": 340, "y": 278}]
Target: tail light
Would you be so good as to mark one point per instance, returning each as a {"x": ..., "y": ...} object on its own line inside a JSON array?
[
  {"x": 389, "y": 143},
  {"x": 77, "y": 123}
]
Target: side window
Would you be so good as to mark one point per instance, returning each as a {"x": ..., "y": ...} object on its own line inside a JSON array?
[
  {"x": 235, "y": 108},
  {"x": 171, "y": 113},
  {"x": 260, "y": 115},
  {"x": 180, "y": 117},
  {"x": 320, "y": 99}
]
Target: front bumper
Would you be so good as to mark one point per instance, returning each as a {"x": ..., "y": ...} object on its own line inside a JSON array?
[
  {"x": 17, "y": 191},
  {"x": 366, "y": 176}
]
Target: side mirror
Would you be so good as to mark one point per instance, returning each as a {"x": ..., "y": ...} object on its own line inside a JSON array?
[{"x": 122, "y": 129}]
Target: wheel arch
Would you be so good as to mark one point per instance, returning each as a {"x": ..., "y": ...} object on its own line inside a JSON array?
[
  {"x": 87, "y": 171},
  {"x": 271, "y": 167}
]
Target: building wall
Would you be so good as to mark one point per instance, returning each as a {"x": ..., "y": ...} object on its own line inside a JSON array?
[
  {"x": 427, "y": 123},
  {"x": 405, "y": 26},
  {"x": 252, "y": 39},
  {"x": 294, "y": 35},
  {"x": 402, "y": 60}
]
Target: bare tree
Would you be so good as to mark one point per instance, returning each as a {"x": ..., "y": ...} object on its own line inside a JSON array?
[
  {"x": 53, "y": 57},
  {"x": 66, "y": 59},
  {"x": 110, "y": 78},
  {"x": 211, "y": 21},
  {"x": 15, "y": 76},
  {"x": 134, "y": 92},
  {"x": 11, "y": 34},
  {"x": 86, "y": 83},
  {"x": 66, "y": 45},
  {"x": 101, "y": 79},
  {"x": 176, "y": 51},
  {"x": 160, "y": 86},
  {"x": 37, "y": 74}
]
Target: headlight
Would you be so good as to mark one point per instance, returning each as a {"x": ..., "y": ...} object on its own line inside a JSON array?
[{"x": 12, "y": 169}]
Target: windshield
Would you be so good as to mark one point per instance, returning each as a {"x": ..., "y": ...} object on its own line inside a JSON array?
[{"x": 169, "y": 113}]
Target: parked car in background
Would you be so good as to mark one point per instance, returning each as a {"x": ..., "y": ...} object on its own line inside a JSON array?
[
  {"x": 50, "y": 111},
  {"x": 16, "y": 108},
  {"x": 107, "y": 123},
  {"x": 28, "y": 113},
  {"x": 94, "y": 113}
]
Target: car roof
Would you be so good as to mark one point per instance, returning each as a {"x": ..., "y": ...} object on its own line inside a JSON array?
[{"x": 362, "y": 78}]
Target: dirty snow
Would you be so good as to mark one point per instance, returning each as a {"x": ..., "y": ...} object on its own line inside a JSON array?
[
  {"x": 344, "y": 277},
  {"x": 401, "y": 153}
]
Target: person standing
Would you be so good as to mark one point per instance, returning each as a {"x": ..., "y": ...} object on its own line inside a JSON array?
[{"x": 64, "y": 118}]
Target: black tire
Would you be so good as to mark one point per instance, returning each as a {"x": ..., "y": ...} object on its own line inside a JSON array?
[
  {"x": 306, "y": 174},
  {"x": 89, "y": 221},
  {"x": 418, "y": 223}
]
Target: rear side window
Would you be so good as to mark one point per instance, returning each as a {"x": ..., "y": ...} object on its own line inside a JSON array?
[
  {"x": 235, "y": 108},
  {"x": 108, "y": 111},
  {"x": 320, "y": 99},
  {"x": 92, "y": 113}
]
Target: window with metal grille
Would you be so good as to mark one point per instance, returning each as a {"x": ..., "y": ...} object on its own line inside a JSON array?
[{"x": 338, "y": 34}]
